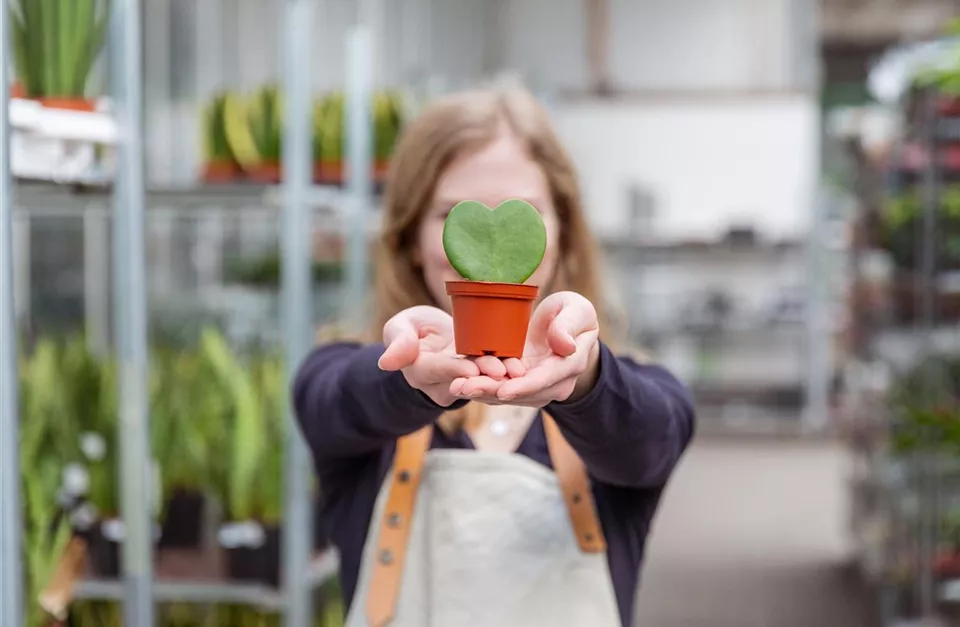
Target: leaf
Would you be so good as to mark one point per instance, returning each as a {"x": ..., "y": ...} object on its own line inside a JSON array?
[{"x": 503, "y": 245}]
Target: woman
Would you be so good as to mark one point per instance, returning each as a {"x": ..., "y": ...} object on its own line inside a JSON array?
[{"x": 531, "y": 501}]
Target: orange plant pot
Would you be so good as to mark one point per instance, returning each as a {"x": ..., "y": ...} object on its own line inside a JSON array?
[
  {"x": 331, "y": 172},
  {"x": 268, "y": 172},
  {"x": 491, "y": 318},
  {"x": 69, "y": 104},
  {"x": 220, "y": 172},
  {"x": 381, "y": 168}
]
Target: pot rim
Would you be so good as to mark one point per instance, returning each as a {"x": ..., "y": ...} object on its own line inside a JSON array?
[{"x": 490, "y": 289}]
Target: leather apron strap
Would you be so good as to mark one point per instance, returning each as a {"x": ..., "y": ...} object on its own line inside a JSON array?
[{"x": 394, "y": 528}]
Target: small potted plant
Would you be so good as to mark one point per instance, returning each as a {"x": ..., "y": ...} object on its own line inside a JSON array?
[
  {"x": 495, "y": 251},
  {"x": 331, "y": 140},
  {"x": 387, "y": 123},
  {"x": 219, "y": 164},
  {"x": 255, "y": 133},
  {"x": 55, "y": 46}
]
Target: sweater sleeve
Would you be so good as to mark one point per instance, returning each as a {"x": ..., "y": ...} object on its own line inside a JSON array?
[
  {"x": 348, "y": 407},
  {"x": 632, "y": 427}
]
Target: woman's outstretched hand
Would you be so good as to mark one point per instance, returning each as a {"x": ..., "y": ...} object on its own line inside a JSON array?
[
  {"x": 419, "y": 343},
  {"x": 560, "y": 360}
]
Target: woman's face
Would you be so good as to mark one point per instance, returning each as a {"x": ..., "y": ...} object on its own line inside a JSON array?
[{"x": 497, "y": 172}]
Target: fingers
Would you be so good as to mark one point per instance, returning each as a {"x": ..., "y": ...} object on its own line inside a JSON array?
[
  {"x": 577, "y": 315},
  {"x": 545, "y": 375},
  {"x": 491, "y": 366},
  {"x": 475, "y": 387},
  {"x": 515, "y": 367},
  {"x": 402, "y": 350},
  {"x": 434, "y": 368}
]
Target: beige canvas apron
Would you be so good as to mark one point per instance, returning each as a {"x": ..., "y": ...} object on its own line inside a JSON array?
[{"x": 475, "y": 539}]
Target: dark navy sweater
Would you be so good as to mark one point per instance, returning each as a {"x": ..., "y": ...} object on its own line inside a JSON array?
[{"x": 630, "y": 431}]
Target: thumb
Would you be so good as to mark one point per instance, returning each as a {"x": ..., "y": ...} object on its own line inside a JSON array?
[
  {"x": 402, "y": 345},
  {"x": 576, "y": 316}
]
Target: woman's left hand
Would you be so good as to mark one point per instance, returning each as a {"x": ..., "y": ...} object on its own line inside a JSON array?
[{"x": 560, "y": 360}]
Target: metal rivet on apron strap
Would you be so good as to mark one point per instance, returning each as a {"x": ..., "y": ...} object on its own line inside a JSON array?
[
  {"x": 394, "y": 520},
  {"x": 576, "y": 497},
  {"x": 386, "y": 557},
  {"x": 403, "y": 476}
]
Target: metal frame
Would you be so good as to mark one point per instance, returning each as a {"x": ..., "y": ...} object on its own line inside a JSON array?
[
  {"x": 11, "y": 571},
  {"x": 138, "y": 590}
]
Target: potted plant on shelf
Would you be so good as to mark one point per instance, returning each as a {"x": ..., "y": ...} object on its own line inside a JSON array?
[
  {"x": 249, "y": 482},
  {"x": 331, "y": 140},
  {"x": 387, "y": 123},
  {"x": 254, "y": 132},
  {"x": 495, "y": 251},
  {"x": 55, "y": 46},
  {"x": 186, "y": 418},
  {"x": 219, "y": 165}
]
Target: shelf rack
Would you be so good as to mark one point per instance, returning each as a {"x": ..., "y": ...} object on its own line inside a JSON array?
[{"x": 138, "y": 591}]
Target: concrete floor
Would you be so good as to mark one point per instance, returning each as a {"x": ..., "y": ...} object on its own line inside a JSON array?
[{"x": 754, "y": 534}]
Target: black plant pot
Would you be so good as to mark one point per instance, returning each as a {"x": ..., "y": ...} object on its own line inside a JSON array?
[
  {"x": 183, "y": 523},
  {"x": 257, "y": 564},
  {"x": 103, "y": 553}
]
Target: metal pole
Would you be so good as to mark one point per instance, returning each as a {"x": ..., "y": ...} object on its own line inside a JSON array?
[
  {"x": 297, "y": 288},
  {"x": 131, "y": 313},
  {"x": 359, "y": 148},
  {"x": 11, "y": 574}
]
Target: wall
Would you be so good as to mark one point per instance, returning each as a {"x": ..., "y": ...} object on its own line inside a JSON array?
[
  {"x": 710, "y": 164},
  {"x": 708, "y": 161}
]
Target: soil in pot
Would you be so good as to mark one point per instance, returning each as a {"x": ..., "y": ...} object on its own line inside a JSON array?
[
  {"x": 183, "y": 523},
  {"x": 491, "y": 318}
]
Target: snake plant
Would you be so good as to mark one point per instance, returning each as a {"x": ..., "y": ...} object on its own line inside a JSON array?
[
  {"x": 254, "y": 127},
  {"x": 56, "y": 43},
  {"x": 216, "y": 147}
]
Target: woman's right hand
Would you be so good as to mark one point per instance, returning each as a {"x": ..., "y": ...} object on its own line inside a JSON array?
[{"x": 419, "y": 343}]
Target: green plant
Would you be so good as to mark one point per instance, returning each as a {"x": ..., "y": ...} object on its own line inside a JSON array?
[
  {"x": 216, "y": 147},
  {"x": 250, "y": 486},
  {"x": 900, "y": 224},
  {"x": 46, "y": 531},
  {"x": 505, "y": 244},
  {"x": 331, "y": 128},
  {"x": 254, "y": 129},
  {"x": 387, "y": 123},
  {"x": 56, "y": 43}
]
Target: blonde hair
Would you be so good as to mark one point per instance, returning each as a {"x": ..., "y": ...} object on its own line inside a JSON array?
[{"x": 446, "y": 129}]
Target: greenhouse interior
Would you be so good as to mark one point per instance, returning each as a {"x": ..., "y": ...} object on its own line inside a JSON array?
[{"x": 191, "y": 199}]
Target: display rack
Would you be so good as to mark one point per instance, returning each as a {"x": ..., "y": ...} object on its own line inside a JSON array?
[
  {"x": 137, "y": 589},
  {"x": 904, "y": 324}
]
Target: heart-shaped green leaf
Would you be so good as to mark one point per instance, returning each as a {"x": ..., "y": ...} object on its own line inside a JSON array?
[{"x": 503, "y": 245}]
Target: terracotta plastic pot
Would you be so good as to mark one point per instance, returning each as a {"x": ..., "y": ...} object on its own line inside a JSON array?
[
  {"x": 381, "y": 168},
  {"x": 267, "y": 172},
  {"x": 331, "y": 172},
  {"x": 220, "y": 172},
  {"x": 69, "y": 104},
  {"x": 491, "y": 318}
]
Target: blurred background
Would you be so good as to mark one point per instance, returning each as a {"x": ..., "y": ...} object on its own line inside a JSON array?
[{"x": 772, "y": 185}]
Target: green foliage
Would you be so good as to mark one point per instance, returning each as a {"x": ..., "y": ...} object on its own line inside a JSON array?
[
  {"x": 56, "y": 43},
  {"x": 505, "y": 244},
  {"x": 216, "y": 146},
  {"x": 901, "y": 222}
]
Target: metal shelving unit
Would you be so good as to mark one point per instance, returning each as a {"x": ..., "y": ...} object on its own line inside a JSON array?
[{"x": 137, "y": 589}]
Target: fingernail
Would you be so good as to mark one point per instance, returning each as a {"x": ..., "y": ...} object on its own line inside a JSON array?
[{"x": 508, "y": 397}]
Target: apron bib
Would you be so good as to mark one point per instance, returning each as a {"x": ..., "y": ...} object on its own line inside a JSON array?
[{"x": 477, "y": 539}]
